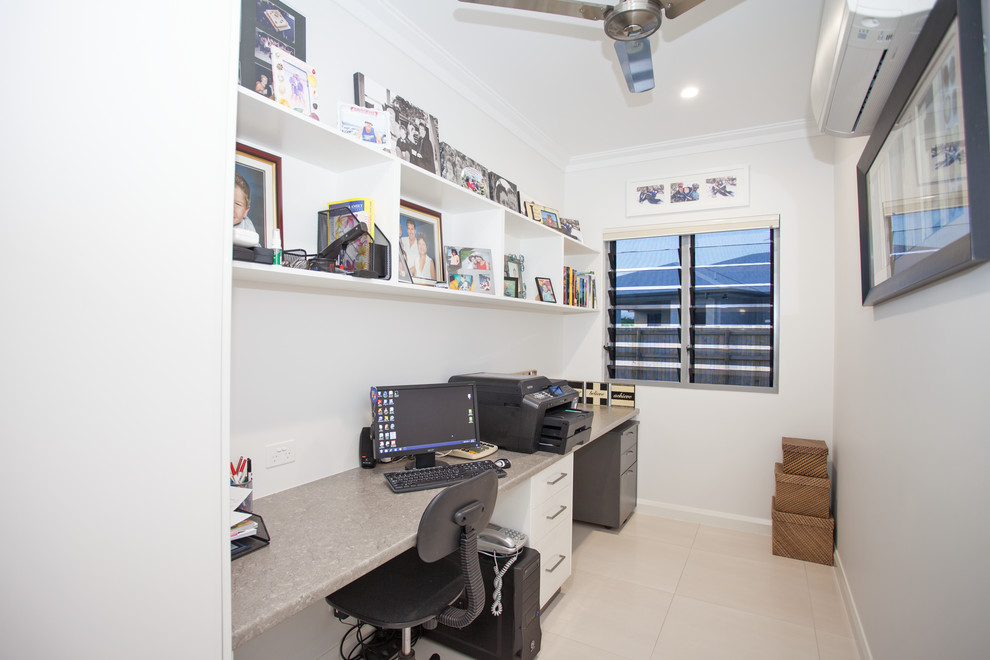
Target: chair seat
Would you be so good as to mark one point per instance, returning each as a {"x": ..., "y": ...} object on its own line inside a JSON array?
[{"x": 402, "y": 592}]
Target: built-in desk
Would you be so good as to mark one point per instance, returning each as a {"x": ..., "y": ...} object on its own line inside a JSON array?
[{"x": 328, "y": 532}]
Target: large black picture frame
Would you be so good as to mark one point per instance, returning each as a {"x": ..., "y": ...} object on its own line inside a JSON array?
[
  {"x": 266, "y": 24},
  {"x": 921, "y": 265}
]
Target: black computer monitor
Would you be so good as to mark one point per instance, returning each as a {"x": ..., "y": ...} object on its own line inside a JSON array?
[{"x": 421, "y": 420}]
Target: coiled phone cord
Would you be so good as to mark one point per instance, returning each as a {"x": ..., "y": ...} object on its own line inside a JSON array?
[{"x": 497, "y": 583}]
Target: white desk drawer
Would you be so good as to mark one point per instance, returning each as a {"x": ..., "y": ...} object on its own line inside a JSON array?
[
  {"x": 555, "y": 478},
  {"x": 556, "y": 510},
  {"x": 555, "y": 561}
]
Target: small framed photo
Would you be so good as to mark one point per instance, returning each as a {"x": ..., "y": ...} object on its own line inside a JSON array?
[
  {"x": 549, "y": 218},
  {"x": 469, "y": 269},
  {"x": 294, "y": 83},
  {"x": 258, "y": 194},
  {"x": 511, "y": 287},
  {"x": 421, "y": 239},
  {"x": 545, "y": 289}
]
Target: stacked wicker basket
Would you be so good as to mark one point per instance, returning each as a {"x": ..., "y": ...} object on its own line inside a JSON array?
[{"x": 802, "y": 525}]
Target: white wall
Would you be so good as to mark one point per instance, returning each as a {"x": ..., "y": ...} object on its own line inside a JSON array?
[
  {"x": 911, "y": 453},
  {"x": 711, "y": 453},
  {"x": 115, "y": 208}
]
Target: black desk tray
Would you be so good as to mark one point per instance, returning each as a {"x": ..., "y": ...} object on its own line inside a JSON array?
[{"x": 249, "y": 544}]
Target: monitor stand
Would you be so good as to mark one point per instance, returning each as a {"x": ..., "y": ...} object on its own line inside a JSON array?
[{"x": 426, "y": 460}]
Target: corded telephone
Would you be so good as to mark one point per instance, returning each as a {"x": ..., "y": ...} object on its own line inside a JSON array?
[{"x": 500, "y": 540}]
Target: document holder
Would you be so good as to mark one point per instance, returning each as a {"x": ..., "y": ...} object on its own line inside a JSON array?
[{"x": 249, "y": 544}]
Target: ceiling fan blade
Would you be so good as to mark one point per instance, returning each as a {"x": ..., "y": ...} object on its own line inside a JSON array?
[
  {"x": 674, "y": 8},
  {"x": 591, "y": 12},
  {"x": 636, "y": 61}
]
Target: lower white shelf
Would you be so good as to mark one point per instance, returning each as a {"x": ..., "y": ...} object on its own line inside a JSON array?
[{"x": 278, "y": 277}]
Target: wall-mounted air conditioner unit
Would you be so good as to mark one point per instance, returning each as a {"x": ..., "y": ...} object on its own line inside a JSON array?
[{"x": 862, "y": 47}]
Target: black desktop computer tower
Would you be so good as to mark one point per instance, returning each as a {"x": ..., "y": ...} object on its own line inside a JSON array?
[{"x": 515, "y": 634}]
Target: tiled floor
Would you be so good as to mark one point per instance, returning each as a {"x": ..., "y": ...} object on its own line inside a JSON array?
[{"x": 682, "y": 591}]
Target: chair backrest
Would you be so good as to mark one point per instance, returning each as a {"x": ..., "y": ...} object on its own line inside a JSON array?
[{"x": 467, "y": 505}]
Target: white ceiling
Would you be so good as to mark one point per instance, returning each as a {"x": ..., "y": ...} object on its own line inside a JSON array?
[{"x": 555, "y": 80}]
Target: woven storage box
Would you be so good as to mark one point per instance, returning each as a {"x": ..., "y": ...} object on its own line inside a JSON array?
[
  {"x": 805, "y": 457},
  {"x": 806, "y": 496},
  {"x": 803, "y": 537}
]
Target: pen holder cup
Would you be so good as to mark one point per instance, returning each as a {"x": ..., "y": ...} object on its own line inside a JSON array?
[{"x": 248, "y": 503}]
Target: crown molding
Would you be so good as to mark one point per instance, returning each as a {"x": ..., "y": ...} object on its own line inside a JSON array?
[{"x": 745, "y": 137}]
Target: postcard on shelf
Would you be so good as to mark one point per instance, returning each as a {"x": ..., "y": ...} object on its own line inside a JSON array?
[
  {"x": 417, "y": 135},
  {"x": 295, "y": 83},
  {"x": 366, "y": 124},
  {"x": 623, "y": 395},
  {"x": 469, "y": 269},
  {"x": 596, "y": 393},
  {"x": 465, "y": 172},
  {"x": 267, "y": 24},
  {"x": 503, "y": 191},
  {"x": 571, "y": 228}
]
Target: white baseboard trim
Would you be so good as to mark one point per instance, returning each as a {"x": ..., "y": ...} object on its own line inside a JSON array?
[
  {"x": 705, "y": 517},
  {"x": 854, "y": 621}
]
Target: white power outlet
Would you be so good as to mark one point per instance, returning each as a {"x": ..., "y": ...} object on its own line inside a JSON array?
[{"x": 280, "y": 453}]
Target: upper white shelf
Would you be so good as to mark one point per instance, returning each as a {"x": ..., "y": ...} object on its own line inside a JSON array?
[{"x": 278, "y": 277}]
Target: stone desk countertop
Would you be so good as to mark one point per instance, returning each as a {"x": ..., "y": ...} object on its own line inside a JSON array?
[{"x": 331, "y": 531}]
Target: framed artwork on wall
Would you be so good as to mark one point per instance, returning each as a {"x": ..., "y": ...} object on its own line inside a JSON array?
[
  {"x": 924, "y": 206},
  {"x": 258, "y": 194},
  {"x": 421, "y": 239}
]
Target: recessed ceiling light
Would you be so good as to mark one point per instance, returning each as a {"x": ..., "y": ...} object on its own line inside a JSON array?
[{"x": 689, "y": 92}]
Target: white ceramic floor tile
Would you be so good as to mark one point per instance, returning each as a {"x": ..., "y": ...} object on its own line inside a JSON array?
[
  {"x": 696, "y": 630},
  {"x": 826, "y": 601},
  {"x": 777, "y": 590},
  {"x": 555, "y": 647},
  {"x": 737, "y": 544},
  {"x": 610, "y": 615},
  {"x": 665, "y": 530},
  {"x": 836, "y": 647},
  {"x": 634, "y": 559}
]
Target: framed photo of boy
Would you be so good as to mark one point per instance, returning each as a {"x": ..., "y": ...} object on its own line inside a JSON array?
[
  {"x": 544, "y": 288},
  {"x": 421, "y": 237},
  {"x": 258, "y": 194}
]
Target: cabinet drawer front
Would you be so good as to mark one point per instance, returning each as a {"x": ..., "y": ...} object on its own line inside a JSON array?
[
  {"x": 629, "y": 435},
  {"x": 554, "y": 479},
  {"x": 627, "y": 457},
  {"x": 555, "y": 511},
  {"x": 555, "y": 561}
]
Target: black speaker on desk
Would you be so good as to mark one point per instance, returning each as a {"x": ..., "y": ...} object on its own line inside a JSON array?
[
  {"x": 515, "y": 634},
  {"x": 365, "y": 449}
]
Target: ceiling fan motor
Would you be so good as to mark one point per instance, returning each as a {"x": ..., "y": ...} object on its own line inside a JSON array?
[{"x": 631, "y": 20}]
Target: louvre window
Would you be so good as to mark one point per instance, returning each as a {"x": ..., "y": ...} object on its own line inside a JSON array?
[{"x": 694, "y": 309}]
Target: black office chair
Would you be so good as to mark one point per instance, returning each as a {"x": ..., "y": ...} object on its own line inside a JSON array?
[{"x": 416, "y": 588}]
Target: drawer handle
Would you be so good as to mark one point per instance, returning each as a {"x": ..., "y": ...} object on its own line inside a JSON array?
[
  {"x": 563, "y": 475},
  {"x": 562, "y": 509},
  {"x": 554, "y": 567},
  {"x": 630, "y": 452}
]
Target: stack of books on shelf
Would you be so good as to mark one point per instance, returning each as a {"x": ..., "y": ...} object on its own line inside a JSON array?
[
  {"x": 802, "y": 525},
  {"x": 579, "y": 288}
]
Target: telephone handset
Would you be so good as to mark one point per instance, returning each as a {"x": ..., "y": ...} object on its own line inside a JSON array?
[{"x": 500, "y": 540}]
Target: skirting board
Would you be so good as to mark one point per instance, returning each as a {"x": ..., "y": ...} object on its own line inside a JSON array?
[
  {"x": 706, "y": 517},
  {"x": 853, "y": 614}
]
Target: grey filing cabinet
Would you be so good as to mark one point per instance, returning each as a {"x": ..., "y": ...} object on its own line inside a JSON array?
[{"x": 605, "y": 477}]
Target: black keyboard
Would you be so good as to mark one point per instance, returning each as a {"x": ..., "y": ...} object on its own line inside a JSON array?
[{"x": 441, "y": 476}]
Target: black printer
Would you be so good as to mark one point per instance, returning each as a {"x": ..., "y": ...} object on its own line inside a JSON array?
[{"x": 528, "y": 413}]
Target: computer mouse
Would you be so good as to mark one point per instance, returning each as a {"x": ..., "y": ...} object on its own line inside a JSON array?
[{"x": 503, "y": 463}]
